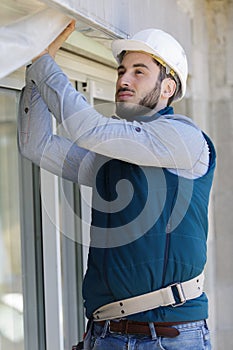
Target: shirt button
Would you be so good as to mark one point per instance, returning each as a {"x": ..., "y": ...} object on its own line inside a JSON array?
[
  {"x": 138, "y": 129},
  {"x": 26, "y": 110}
]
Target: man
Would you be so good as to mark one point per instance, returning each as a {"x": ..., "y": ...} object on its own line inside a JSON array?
[{"x": 151, "y": 173}]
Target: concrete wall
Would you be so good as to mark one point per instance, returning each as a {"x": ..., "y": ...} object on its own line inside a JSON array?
[
  {"x": 212, "y": 106},
  {"x": 219, "y": 15}
]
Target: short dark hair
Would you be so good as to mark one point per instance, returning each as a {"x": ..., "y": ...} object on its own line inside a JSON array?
[{"x": 163, "y": 75}]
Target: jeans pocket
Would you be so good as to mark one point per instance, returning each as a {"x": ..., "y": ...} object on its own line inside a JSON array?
[
  {"x": 206, "y": 337},
  {"x": 93, "y": 342},
  {"x": 188, "y": 339}
]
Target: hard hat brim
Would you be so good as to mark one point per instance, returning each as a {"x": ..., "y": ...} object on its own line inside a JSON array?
[{"x": 118, "y": 46}]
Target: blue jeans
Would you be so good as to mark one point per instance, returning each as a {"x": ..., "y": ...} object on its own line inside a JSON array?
[{"x": 193, "y": 336}]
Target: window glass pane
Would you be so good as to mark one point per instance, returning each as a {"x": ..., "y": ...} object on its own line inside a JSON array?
[
  {"x": 11, "y": 301},
  {"x": 71, "y": 263},
  {"x": 72, "y": 309}
]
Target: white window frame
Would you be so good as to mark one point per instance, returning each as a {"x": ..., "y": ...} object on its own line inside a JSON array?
[{"x": 99, "y": 83}]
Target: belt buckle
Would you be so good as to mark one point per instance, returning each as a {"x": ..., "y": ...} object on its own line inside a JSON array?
[{"x": 181, "y": 294}]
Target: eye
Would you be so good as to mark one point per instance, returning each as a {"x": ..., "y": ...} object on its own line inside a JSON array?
[
  {"x": 139, "y": 71},
  {"x": 120, "y": 73}
]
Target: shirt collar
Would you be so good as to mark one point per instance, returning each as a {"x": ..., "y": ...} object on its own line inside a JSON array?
[
  {"x": 145, "y": 118},
  {"x": 165, "y": 111}
]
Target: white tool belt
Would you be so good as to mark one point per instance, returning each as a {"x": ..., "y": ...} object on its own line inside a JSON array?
[{"x": 163, "y": 297}]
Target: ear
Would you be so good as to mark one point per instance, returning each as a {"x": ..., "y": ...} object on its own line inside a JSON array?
[{"x": 168, "y": 88}]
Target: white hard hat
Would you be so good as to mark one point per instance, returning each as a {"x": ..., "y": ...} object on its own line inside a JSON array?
[{"x": 159, "y": 44}]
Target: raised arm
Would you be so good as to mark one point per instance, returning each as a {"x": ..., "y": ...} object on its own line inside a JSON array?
[
  {"x": 38, "y": 143},
  {"x": 165, "y": 142},
  {"x": 174, "y": 143}
]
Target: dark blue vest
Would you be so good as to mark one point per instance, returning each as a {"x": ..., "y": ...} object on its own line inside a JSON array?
[{"x": 149, "y": 230}]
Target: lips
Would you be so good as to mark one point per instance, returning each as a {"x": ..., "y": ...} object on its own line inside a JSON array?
[{"x": 124, "y": 95}]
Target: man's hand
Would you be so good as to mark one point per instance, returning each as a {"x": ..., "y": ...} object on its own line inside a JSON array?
[{"x": 57, "y": 43}]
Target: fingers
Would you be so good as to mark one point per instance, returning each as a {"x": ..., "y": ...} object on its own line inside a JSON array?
[
  {"x": 72, "y": 24},
  {"x": 68, "y": 30},
  {"x": 57, "y": 43}
]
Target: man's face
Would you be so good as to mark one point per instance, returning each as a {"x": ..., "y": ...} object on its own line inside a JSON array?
[{"x": 137, "y": 85}]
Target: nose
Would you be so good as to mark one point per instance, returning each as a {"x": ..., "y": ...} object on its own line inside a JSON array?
[{"x": 124, "y": 80}]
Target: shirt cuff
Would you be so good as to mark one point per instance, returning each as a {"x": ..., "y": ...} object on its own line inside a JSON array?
[{"x": 41, "y": 69}]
